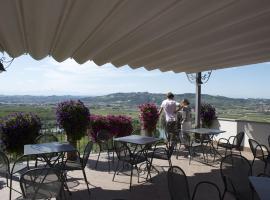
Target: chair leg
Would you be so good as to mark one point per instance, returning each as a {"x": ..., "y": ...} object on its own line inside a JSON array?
[
  {"x": 203, "y": 151},
  {"x": 215, "y": 154},
  {"x": 223, "y": 195},
  {"x": 138, "y": 173},
  {"x": 240, "y": 152},
  {"x": 170, "y": 162},
  {"x": 36, "y": 162},
  {"x": 131, "y": 174},
  {"x": 108, "y": 152},
  {"x": 177, "y": 155},
  {"x": 148, "y": 171},
  {"x": 265, "y": 165},
  {"x": 225, "y": 152},
  {"x": 252, "y": 162},
  {"x": 65, "y": 185},
  {"x": 98, "y": 158},
  {"x": 7, "y": 179},
  {"x": 117, "y": 166},
  {"x": 10, "y": 187},
  {"x": 190, "y": 154},
  {"x": 62, "y": 193},
  {"x": 87, "y": 184}
]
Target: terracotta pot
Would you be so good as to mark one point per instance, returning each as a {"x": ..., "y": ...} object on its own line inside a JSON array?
[
  {"x": 148, "y": 133},
  {"x": 72, "y": 155}
]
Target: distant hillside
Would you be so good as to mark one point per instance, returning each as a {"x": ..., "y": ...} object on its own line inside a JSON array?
[
  {"x": 28, "y": 99},
  {"x": 135, "y": 98}
]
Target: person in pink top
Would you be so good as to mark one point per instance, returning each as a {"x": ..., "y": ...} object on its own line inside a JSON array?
[{"x": 169, "y": 106}]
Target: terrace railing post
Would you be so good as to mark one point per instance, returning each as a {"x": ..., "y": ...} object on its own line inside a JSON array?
[{"x": 198, "y": 100}]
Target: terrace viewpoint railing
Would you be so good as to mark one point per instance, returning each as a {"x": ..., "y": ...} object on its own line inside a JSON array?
[{"x": 258, "y": 131}]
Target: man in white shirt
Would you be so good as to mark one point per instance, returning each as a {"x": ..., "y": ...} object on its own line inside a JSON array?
[{"x": 169, "y": 107}]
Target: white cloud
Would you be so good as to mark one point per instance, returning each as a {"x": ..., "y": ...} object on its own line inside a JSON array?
[
  {"x": 48, "y": 76},
  {"x": 91, "y": 70}
]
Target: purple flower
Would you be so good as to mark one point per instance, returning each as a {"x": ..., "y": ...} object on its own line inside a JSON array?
[
  {"x": 207, "y": 114},
  {"x": 19, "y": 129},
  {"x": 73, "y": 117},
  {"x": 117, "y": 125}
]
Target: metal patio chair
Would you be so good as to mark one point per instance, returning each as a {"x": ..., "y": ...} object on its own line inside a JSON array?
[
  {"x": 41, "y": 183},
  {"x": 79, "y": 164},
  {"x": 46, "y": 138},
  {"x": 260, "y": 152},
  {"x": 20, "y": 166},
  {"x": 133, "y": 159},
  {"x": 105, "y": 142},
  {"x": 235, "y": 170},
  {"x": 199, "y": 142},
  {"x": 233, "y": 142},
  {"x": 207, "y": 187},
  {"x": 162, "y": 151},
  {"x": 4, "y": 166},
  {"x": 179, "y": 187}
]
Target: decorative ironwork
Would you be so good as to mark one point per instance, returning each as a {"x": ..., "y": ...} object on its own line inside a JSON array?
[
  {"x": 192, "y": 77},
  {"x": 5, "y": 62}
]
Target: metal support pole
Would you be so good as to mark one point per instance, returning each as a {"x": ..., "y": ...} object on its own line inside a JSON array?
[{"x": 198, "y": 100}]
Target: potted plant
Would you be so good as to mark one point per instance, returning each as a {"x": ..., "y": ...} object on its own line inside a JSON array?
[
  {"x": 207, "y": 114},
  {"x": 120, "y": 125},
  {"x": 148, "y": 117},
  {"x": 73, "y": 117},
  {"x": 19, "y": 129},
  {"x": 117, "y": 125},
  {"x": 98, "y": 123}
]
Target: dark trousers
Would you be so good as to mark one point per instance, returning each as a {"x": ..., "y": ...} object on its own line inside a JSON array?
[{"x": 171, "y": 131}]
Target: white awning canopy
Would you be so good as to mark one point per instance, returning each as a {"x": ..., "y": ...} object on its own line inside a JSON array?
[{"x": 183, "y": 36}]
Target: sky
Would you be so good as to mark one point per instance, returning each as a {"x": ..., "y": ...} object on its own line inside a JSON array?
[{"x": 27, "y": 76}]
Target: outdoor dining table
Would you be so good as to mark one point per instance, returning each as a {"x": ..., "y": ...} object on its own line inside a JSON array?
[
  {"x": 261, "y": 185},
  {"x": 144, "y": 142},
  {"x": 137, "y": 139},
  {"x": 206, "y": 132},
  {"x": 46, "y": 149}
]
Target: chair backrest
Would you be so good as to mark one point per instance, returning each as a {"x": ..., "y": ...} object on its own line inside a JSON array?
[
  {"x": 4, "y": 163},
  {"x": 178, "y": 184},
  {"x": 122, "y": 151},
  {"x": 235, "y": 170},
  {"x": 255, "y": 148},
  {"x": 86, "y": 153},
  {"x": 238, "y": 139},
  {"x": 103, "y": 135},
  {"x": 46, "y": 138},
  {"x": 206, "y": 190},
  {"x": 41, "y": 183}
]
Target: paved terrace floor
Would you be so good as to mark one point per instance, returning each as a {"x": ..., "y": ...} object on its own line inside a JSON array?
[{"x": 103, "y": 188}]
